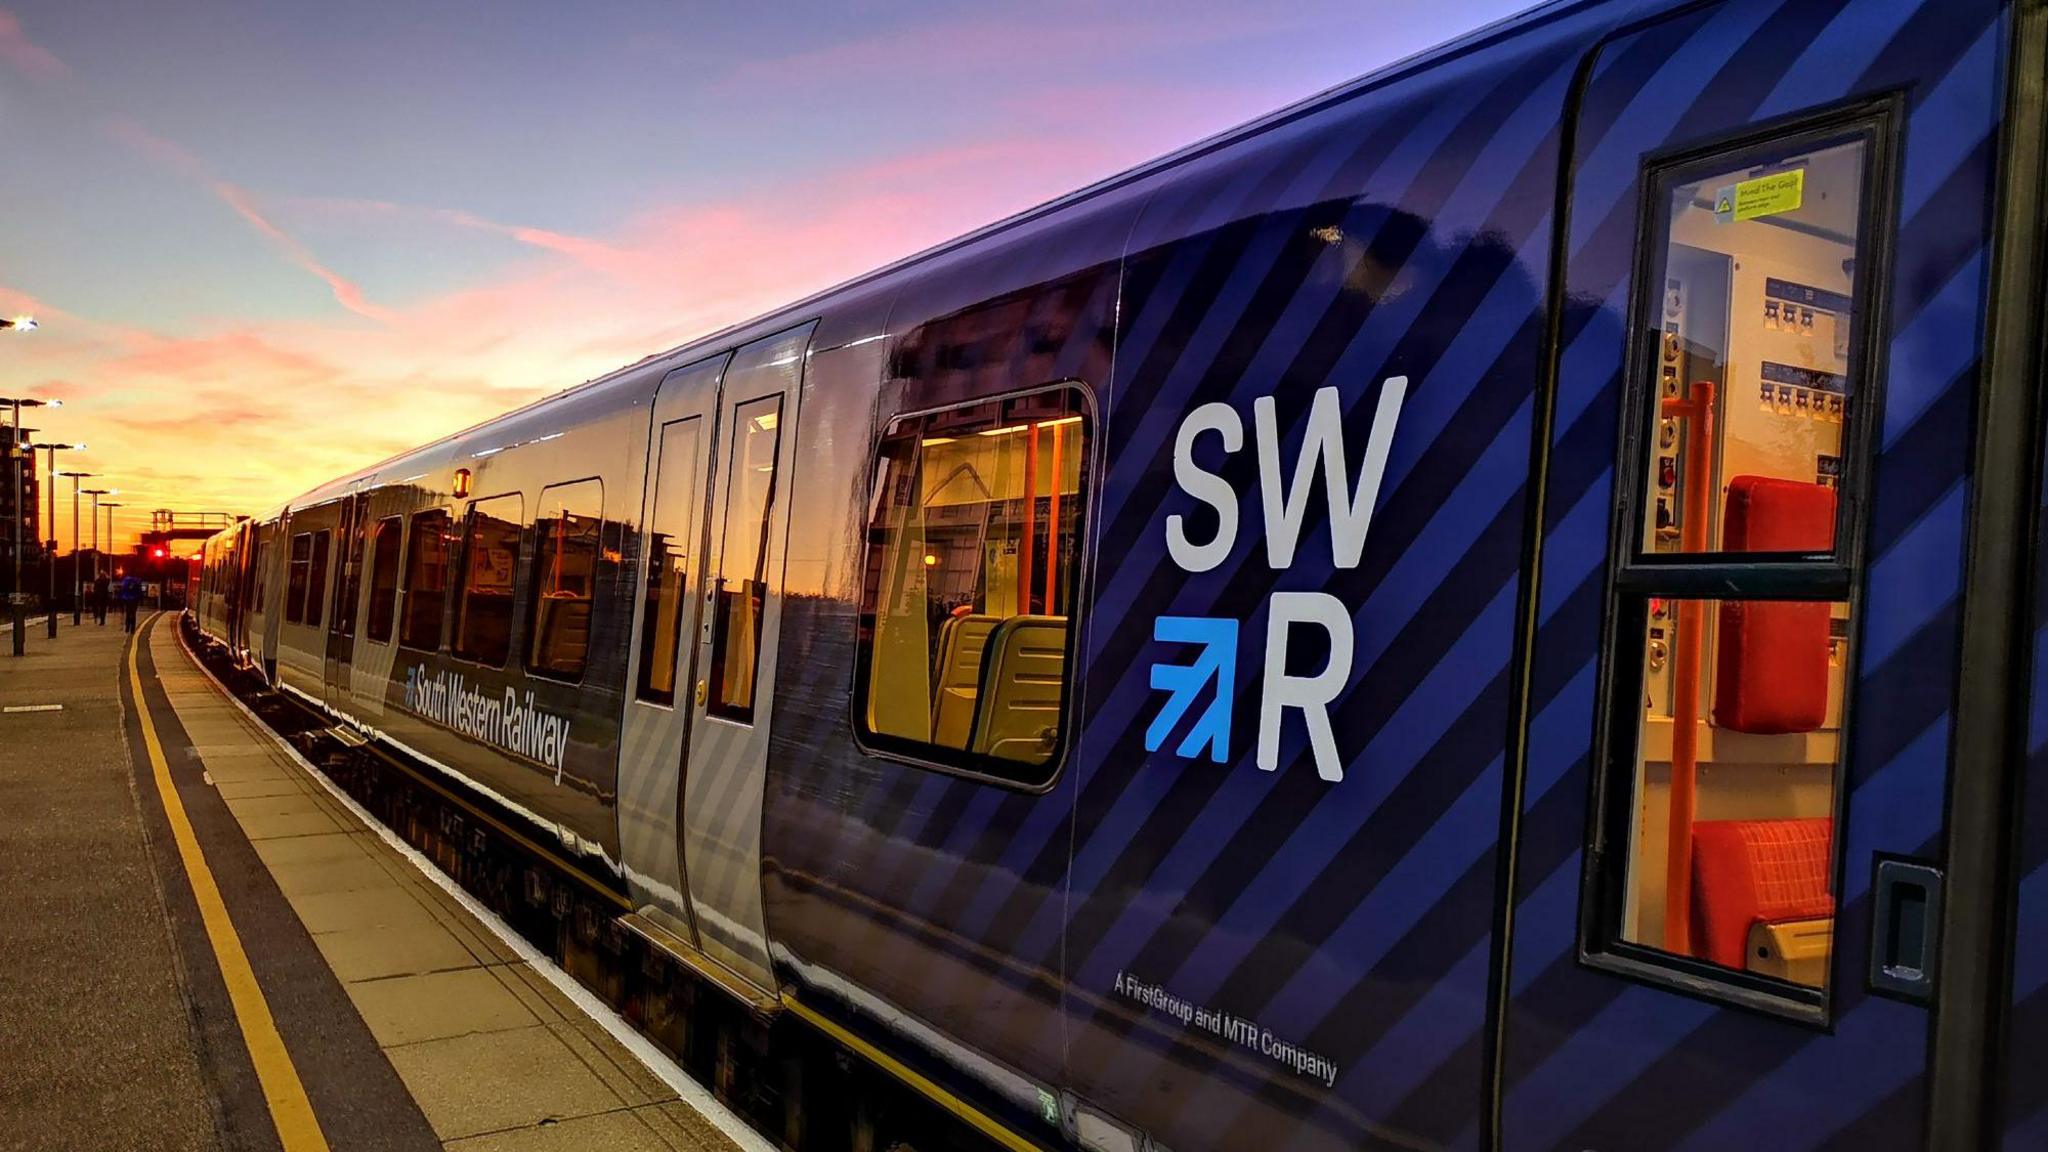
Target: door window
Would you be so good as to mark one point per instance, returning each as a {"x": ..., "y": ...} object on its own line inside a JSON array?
[
  {"x": 742, "y": 592},
  {"x": 316, "y": 579},
  {"x": 1732, "y": 589},
  {"x": 671, "y": 546}
]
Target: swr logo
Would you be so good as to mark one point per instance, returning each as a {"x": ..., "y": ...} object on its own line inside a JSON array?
[{"x": 1285, "y": 505}]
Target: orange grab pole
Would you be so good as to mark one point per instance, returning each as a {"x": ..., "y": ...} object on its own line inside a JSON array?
[
  {"x": 1029, "y": 541},
  {"x": 1698, "y": 412},
  {"x": 1052, "y": 529}
]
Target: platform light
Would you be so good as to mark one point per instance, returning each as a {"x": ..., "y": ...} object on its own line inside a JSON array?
[{"x": 19, "y": 324}]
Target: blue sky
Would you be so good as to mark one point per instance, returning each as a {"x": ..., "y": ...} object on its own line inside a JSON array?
[{"x": 392, "y": 219}]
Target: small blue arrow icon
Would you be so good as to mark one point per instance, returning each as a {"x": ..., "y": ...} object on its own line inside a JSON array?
[{"x": 1217, "y": 662}]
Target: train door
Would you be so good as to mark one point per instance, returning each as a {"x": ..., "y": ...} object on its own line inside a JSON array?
[
  {"x": 347, "y": 585},
  {"x": 660, "y": 666},
  {"x": 1728, "y": 879},
  {"x": 732, "y": 696}
]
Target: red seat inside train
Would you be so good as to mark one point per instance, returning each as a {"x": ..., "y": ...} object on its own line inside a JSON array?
[
  {"x": 1771, "y": 676},
  {"x": 1771, "y": 671},
  {"x": 1747, "y": 872}
]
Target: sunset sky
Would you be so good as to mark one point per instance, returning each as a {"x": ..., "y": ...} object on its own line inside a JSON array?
[{"x": 268, "y": 243}]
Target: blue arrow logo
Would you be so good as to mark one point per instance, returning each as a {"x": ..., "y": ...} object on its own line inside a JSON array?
[{"x": 1217, "y": 662}]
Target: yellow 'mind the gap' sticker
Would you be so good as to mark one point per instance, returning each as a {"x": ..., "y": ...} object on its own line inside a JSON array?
[{"x": 1763, "y": 196}]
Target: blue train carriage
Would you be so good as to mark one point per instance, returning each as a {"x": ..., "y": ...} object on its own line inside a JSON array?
[{"x": 1475, "y": 611}]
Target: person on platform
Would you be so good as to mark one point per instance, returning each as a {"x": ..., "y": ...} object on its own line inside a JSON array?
[
  {"x": 130, "y": 595},
  {"x": 99, "y": 599}
]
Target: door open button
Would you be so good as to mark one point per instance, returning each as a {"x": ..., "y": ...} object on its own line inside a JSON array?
[{"x": 1907, "y": 929}]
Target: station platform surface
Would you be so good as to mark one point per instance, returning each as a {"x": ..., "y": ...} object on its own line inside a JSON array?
[{"x": 271, "y": 975}]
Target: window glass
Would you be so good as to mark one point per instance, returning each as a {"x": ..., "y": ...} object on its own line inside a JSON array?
[
  {"x": 672, "y": 535},
  {"x": 1738, "y": 737},
  {"x": 743, "y": 561},
  {"x": 567, "y": 549},
  {"x": 974, "y": 550},
  {"x": 316, "y": 578},
  {"x": 297, "y": 564},
  {"x": 426, "y": 581},
  {"x": 1752, "y": 363},
  {"x": 483, "y": 605},
  {"x": 384, "y": 579}
]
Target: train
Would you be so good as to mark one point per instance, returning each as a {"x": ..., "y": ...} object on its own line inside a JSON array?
[{"x": 1495, "y": 607}]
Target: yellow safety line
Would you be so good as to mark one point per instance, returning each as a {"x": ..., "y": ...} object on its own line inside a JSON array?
[
  {"x": 297, "y": 1128},
  {"x": 975, "y": 1117}
]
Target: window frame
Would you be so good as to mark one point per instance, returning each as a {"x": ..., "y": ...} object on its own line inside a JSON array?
[
  {"x": 458, "y": 584},
  {"x": 967, "y": 765},
  {"x": 600, "y": 572},
  {"x": 1635, "y": 576},
  {"x": 297, "y": 576}
]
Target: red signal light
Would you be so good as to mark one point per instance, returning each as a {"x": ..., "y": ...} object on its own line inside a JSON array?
[{"x": 156, "y": 553}]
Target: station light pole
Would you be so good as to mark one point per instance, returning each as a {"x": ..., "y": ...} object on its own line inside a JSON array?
[
  {"x": 77, "y": 578},
  {"x": 50, "y": 526},
  {"x": 15, "y": 404}
]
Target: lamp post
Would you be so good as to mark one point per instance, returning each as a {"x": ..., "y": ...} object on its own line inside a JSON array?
[
  {"x": 77, "y": 578},
  {"x": 50, "y": 526},
  {"x": 15, "y": 404}
]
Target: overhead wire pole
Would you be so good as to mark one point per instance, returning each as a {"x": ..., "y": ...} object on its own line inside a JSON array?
[
  {"x": 96, "y": 493},
  {"x": 77, "y": 578}
]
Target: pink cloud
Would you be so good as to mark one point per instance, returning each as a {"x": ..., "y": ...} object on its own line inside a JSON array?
[
  {"x": 218, "y": 419},
  {"x": 25, "y": 55},
  {"x": 346, "y": 292}
]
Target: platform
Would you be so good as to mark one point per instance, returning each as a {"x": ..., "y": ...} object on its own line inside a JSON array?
[{"x": 245, "y": 963}]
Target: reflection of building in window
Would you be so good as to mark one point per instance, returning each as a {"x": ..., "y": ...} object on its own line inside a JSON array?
[
  {"x": 566, "y": 553},
  {"x": 426, "y": 581},
  {"x": 974, "y": 550},
  {"x": 1751, "y": 381},
  {"x": 483, "y": 605},
  {"x": 743, "y": 563}
]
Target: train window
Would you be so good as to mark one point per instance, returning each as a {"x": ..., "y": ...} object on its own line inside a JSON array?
[
  {"x": 671, "y": 544},
  {"x": 316, "y": 578},
  {"x": 384, "y": 579},
  {"x": 973, "y": 562},
  {"x": 743, "y": 561},
  {"x": 426, "y": 581},
  {"x": 483, "y": 601},
  {"x": 296, "y": 566},
  {"x": 566, "y": 554},
  {"x": 1732, "y": 583},
  {"x": 1749, "y": 331}
]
